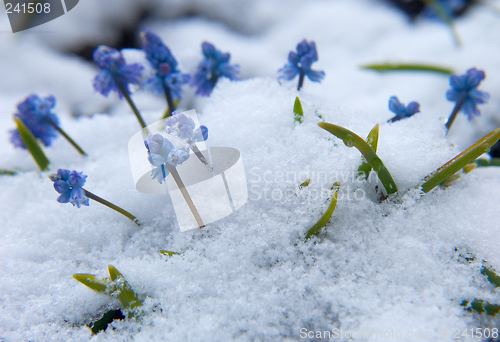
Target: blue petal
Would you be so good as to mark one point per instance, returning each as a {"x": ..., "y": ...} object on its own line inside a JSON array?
[
  {"x": 200, "y": 134},
  {"x": 62, "y": 187},
  {"x": 104, "y": 83},
  {"x": 63, "y": 174},
  {"x": 453, "y": 95},
  {"x": 315, "y": 76},
  {"x": 208, "y": 49},
  {"x": 156, "y": 159},
  {"x": 77, "y": 179},
  {"x": 64, "y": 198},
  {"x": 479, "y": 96},
  {"x": 412, "y": 108},
  {"x": 470, "y": 109},
  {"x": 457, "y": 82},
  {"x": 288, "y": 72},
  {"x": 395, "y": 106}
]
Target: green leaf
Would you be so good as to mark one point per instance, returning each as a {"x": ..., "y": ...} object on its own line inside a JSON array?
[
  {"x": 387, "y": 67},
  {"x": 305, "y": 183},
  {"x": 168, "y": 253},
  {"x": 324, "y": 219},
  {"x": 297, "y": 110},
  {"x": 32, "y": 145},
  {"x": 372, "y": 140},
  {"x": 443, "y": 14},
  {"x": 492, "y": 276},
  {"x": 457, "y": 163},
  {"x": 352, "y": 140},
  {"x": 127, "y": 297},
  {"x": 7, "y": 173},
  {"x": 480, "y": 306},
  {"x": 90, "y": 280}
]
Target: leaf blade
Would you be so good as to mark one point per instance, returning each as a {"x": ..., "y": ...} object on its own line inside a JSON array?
[{"x": 32, "y": 145}]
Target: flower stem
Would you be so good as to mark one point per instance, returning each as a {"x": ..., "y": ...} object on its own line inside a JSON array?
[
  {"x": 112, "y": 206},
  {"x": 67, "y": 137},
  {"x": 200, "y": 155},
  {"x": 185, "y": 194},
  {"x": 170, "y": 102},
  {"x": 301, "y": 79},
  {"x": 126, "y": 95},
  {"x": 453, "y": 115}
]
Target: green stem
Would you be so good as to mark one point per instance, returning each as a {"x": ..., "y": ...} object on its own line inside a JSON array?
[
  {"x": 448, "y": 19},
  {"x": 456, "y": 109},
  {"x": 124, "y": 92},
  {"x": 486, "y": 162},
  {"x": 68, "y": 138},
  {"x": 386, "y": 67},
  {"x": 112, "y": 206},
  {"x": 170, "y": 102},
  {"x": 352, "y": 140}
]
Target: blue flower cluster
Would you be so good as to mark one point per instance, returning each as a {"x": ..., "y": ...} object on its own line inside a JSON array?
[
  {"x": 402, "y": 111},
  {"x": 69, "y": 185},
  {"x": 167, "y": 76},
  {"x": 183, "y": 127},
  {"x": 35, "y": 112},
  {"x": 300, "y": 62},
  {"x": 215, "y": 65},
  {"x": 463, "y": 90},
  {"x": 161, "y": 152},
  {"x": 115, "y": 74}
]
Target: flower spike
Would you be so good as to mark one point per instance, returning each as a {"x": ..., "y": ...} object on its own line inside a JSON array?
[
  {"x": 402, "y": 111},
  {"x": 215, "y": 65},
  {"x": 465, "y": 94},
  {"x": 167, "y": 78},
  {"x": 300, "y": 62}
]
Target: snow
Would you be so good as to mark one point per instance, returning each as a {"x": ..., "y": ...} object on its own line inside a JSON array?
[{"x": 398, "y": 265}]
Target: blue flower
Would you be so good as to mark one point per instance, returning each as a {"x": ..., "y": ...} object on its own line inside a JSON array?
[
  {"x": 464, "y": 90},
  {"x": 183, "y": 126},
  {"x": 453, "y": 8},
  {"x": 69, "y": 185},
  {"x": 215, "y": 65},
  {"x": 162, "y": 151},
  {"x": 115, "y": 74},
  {"x": 35, "y": 113},
  {"x": 299, "y": 63},
  {"x": 165, "y": 65},
  {"x": 402, "y": 111}
]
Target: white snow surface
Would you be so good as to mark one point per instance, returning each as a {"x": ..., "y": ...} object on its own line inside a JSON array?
[{"x": 397, "y": 265}]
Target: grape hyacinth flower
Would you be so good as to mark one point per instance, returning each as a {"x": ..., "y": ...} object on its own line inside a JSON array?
[
  {"x": 36, "y": 113},
  {"x": 402, "y": 111},
  {"x": 70, "y": 185},
  {"x": 116, "y": 75},
  {"x": 299, "y": 63},
  {"x": 463, "y": 91},
  {"x": 167, "y": 78},
  {"x": 182, "y": 126},
  {"x": 215, "y": 65},
  {"x": 162, "y": 152}
]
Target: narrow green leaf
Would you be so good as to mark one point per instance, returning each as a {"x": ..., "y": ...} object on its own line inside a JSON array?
[
  {"x": 443, "y": 14},
  {"x": 297, "y": 110},
  {"x": 305, "y": 183},
  {"x": 457, "y": 163},
  {"x": 7, "y": 173},
  {"x": 324, "y": 219},
  {"x": 352, "y": 140},
  {"x": 114, "y": 273},
  {"x": 387, "y": 67},
  {"x": 32, "y": 145},
  {"x": 168, "y": 253},
  {"x": 492, "y": 276},
  {"x": 480, "y": 306},
  {"x": 90, "y": 280},
  {"x": 372, "y": 140}
]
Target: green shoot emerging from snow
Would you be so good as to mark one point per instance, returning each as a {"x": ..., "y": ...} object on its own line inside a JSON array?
[
  {"x": 372, "y": 140},
  {"x": 168, "y": 253},
  {"x": 460, "y": 161},
  {"x": 32, "y": 145},
  {"x": 115, "y": 286},
  {"x": 352, "y": 140},
  {"x": 324, "y": 219},
  {"x": 297, "y": 110}
]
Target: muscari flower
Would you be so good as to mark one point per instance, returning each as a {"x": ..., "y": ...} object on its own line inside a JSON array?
[
  {"x": 299, "y": 63},
  {"x": 183, "y": 126},
  {"x": 465, "y": 94},
  {"x": 35, "y": 113},
  {"x": 215, "y": 65},
  {"x": 115, "y": 74},
  {"x": 162, "y": 152},
  {"x": 69, "y": 184},
  {"x": 167, "y": 75},
  {"x": 402, "y": 111}
]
